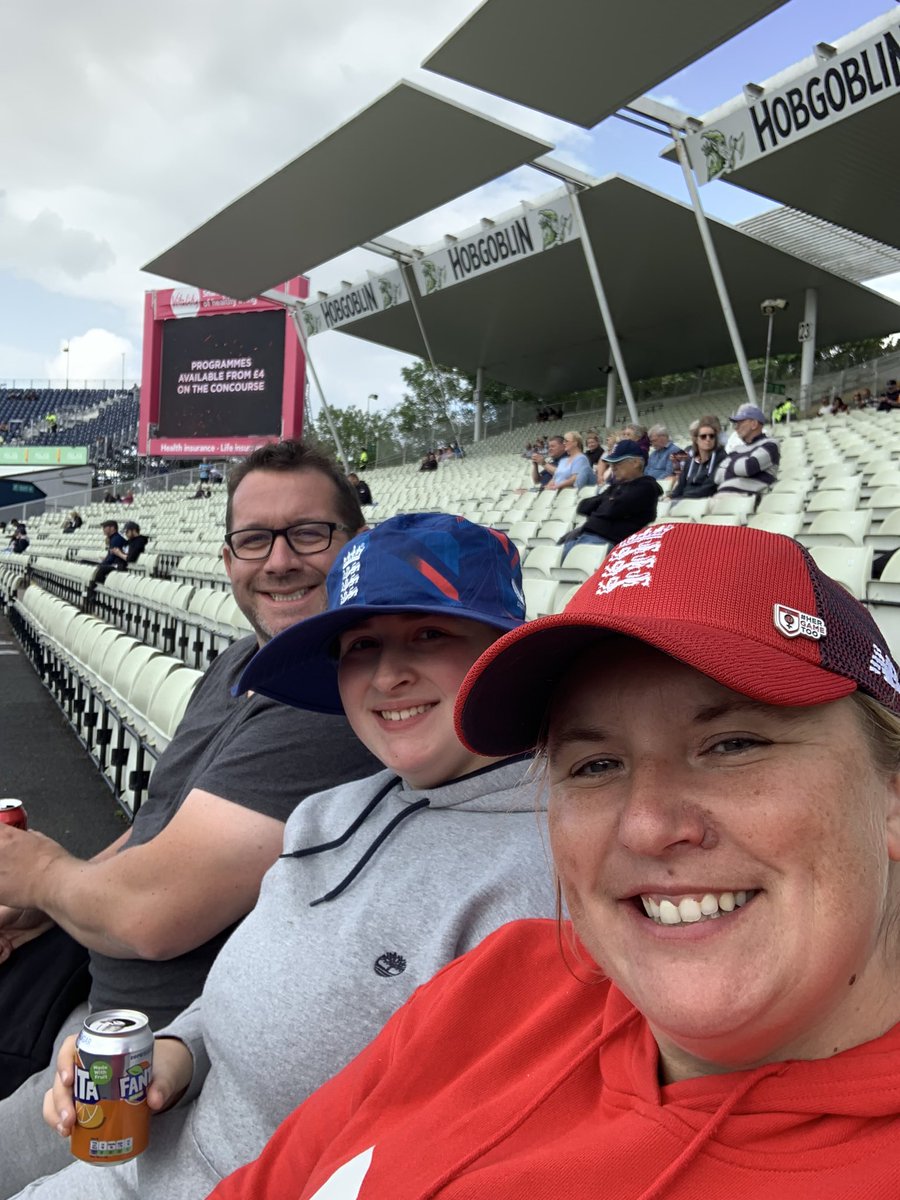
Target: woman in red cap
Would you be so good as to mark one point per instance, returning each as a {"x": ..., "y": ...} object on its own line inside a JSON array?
[{"x": 720, "y": 1017}]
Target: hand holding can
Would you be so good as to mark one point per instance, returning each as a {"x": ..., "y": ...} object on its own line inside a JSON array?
[{"x": 112, "y": 1068}]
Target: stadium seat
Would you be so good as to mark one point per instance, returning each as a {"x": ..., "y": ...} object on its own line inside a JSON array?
[
  {"x": 730, "y": 505},
  {"x": 540, "y": 597},
  {"x": 780, "y": 502},
  {"x": 788, "y": 524},
  {"x": 883, "y": 500},
  {"x": 849, "y": 565},
  {"x": 688, "y": 509},
  {"x": 837, "y": 529},
  {"x": 539, "y": 562},
  {"x": 549, "y": 532},
  {"x": 887, "y": 535},
  {"x": 581, "y": 563}
]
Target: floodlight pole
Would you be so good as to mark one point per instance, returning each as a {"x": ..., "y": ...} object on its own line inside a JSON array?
[
  {"x": 293, "y": 307},
  {"x": 713, "y": 259}
]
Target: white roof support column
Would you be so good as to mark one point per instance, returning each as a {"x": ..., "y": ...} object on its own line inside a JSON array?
[
  {"x": 713, "y": 260},
  {"x": 807, "y": 338},
  {"x": 479, "y": 404},
  {"x": 602, "y": 303},
  {"x": 611, "y": 381}
]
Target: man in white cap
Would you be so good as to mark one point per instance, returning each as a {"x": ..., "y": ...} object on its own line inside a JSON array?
[{"x": 751, "y": 466}]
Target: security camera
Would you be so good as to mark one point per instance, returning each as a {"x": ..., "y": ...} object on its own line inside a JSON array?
[{"x": 770, "y": 306}]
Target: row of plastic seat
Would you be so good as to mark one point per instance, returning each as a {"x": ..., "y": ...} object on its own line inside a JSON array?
[{"x": 124, "y": 698}]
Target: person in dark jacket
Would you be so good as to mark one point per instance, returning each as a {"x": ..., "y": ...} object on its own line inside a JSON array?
[
  {"x": 697, "y": 476},
  {"x": 627, "y": 505}
]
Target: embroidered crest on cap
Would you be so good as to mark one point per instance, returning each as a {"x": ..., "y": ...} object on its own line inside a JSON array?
[
  {"x": 794, "y": 623},
  {"x": 631, "y": 562},
  {"x": 350, "y": 573}
]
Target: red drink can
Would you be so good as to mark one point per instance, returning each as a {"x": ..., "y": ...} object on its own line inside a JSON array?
[{"x": 12, "y": 812}]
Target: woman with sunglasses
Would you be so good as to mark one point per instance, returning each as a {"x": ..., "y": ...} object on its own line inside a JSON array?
[
  {"x": 697, "y": 476},
  {"x": 381, "y": 883}
]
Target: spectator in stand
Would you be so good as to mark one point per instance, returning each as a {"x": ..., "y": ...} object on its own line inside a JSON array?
[
  {"x": 361, "y": 488},
  {"x": 543, "y": 462},
  {"x": 110, "y": 498},
  {"x": 592, "y": 448},
  {"x": 659, "y": 460},
  {"x": 137, "y": 542},
  {"x": 890, "y": 397},
  {"x": 429, "y": 462},
  {"x": 20, "y": 541},
  {"x": 572, "y": 468},
  {"x": 203, "y": 472},
  {"x": 201, "y": 493},
  {"x": 116, "y": 551},
  {"x": 697, "y": 477},
  {"x": 215, "y": 475},
  {"x": 156, "y": 906},
  {"x": 752, "y": 466},
  {"x": 626, "y": 506},
  {"x": 638, "y": 433},
  {"x": 128, "y": 498}
]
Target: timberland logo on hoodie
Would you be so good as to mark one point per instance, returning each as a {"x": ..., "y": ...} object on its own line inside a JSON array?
[{"x": 389, "y": 964}]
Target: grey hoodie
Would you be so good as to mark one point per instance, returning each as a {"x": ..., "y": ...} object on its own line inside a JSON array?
[{"x": 305, "y": 982}]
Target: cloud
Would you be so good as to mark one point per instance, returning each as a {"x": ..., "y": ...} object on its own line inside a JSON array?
[
  {"x": 43, "y": 248},
  {"x": 94, "y": 357}
]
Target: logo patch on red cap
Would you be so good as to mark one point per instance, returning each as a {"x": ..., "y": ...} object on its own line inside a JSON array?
[{"x": 794, "y": 623}]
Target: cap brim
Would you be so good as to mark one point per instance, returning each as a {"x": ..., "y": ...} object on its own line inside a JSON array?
[
  {"x": 504, "y": 699},
  {"x": 299, "y": 667},
  {"x": 619, "y": 458}
]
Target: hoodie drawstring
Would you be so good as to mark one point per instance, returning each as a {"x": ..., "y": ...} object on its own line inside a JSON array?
[
  {"x": 349, "y": 832},
  {"x": 708, "y": 1131}
]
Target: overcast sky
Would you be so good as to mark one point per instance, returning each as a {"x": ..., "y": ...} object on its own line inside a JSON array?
[{"x": 126, "y": 125}]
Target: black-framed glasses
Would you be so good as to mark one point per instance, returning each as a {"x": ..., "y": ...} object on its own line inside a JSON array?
[{"x": 306, "y": 537}]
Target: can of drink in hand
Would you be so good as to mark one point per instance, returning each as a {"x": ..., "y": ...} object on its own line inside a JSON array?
[
  {"x": 12, "y": 812},
  {"x": 113, "y": 1061}
]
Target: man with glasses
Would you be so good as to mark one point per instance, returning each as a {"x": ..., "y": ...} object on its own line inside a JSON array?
[{"x": 155, "y": 907}]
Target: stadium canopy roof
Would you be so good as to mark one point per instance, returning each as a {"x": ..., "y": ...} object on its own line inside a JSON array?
[
  {"x": 839, "y": 250},
  {"x": 405, "y": 154},
  {"x": 820, "y": 136},
  {"x": 534, "y": 322},
  {"x": 569, "y": 58}
]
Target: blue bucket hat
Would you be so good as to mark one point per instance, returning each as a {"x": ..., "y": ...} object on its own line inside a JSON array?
[{"x": 413, "y": 563}]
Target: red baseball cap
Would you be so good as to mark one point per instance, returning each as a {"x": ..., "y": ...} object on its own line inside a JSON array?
[{"x": 749, "y": 609}]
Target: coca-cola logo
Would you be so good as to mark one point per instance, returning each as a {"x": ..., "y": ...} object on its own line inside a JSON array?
[{"x": 185, "y": 302}]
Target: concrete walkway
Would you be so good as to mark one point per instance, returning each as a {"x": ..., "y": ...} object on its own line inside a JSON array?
[{"x": 43, "y": 764}]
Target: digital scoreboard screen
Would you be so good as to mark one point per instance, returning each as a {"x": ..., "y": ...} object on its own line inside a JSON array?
[{"x": 222, "y": 376}]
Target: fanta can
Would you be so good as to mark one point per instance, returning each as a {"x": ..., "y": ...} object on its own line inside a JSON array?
[{"x": 113, "y": 1062}]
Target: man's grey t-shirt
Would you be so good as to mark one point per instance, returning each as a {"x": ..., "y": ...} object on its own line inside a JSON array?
[{"x": 246, "y": 749}]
